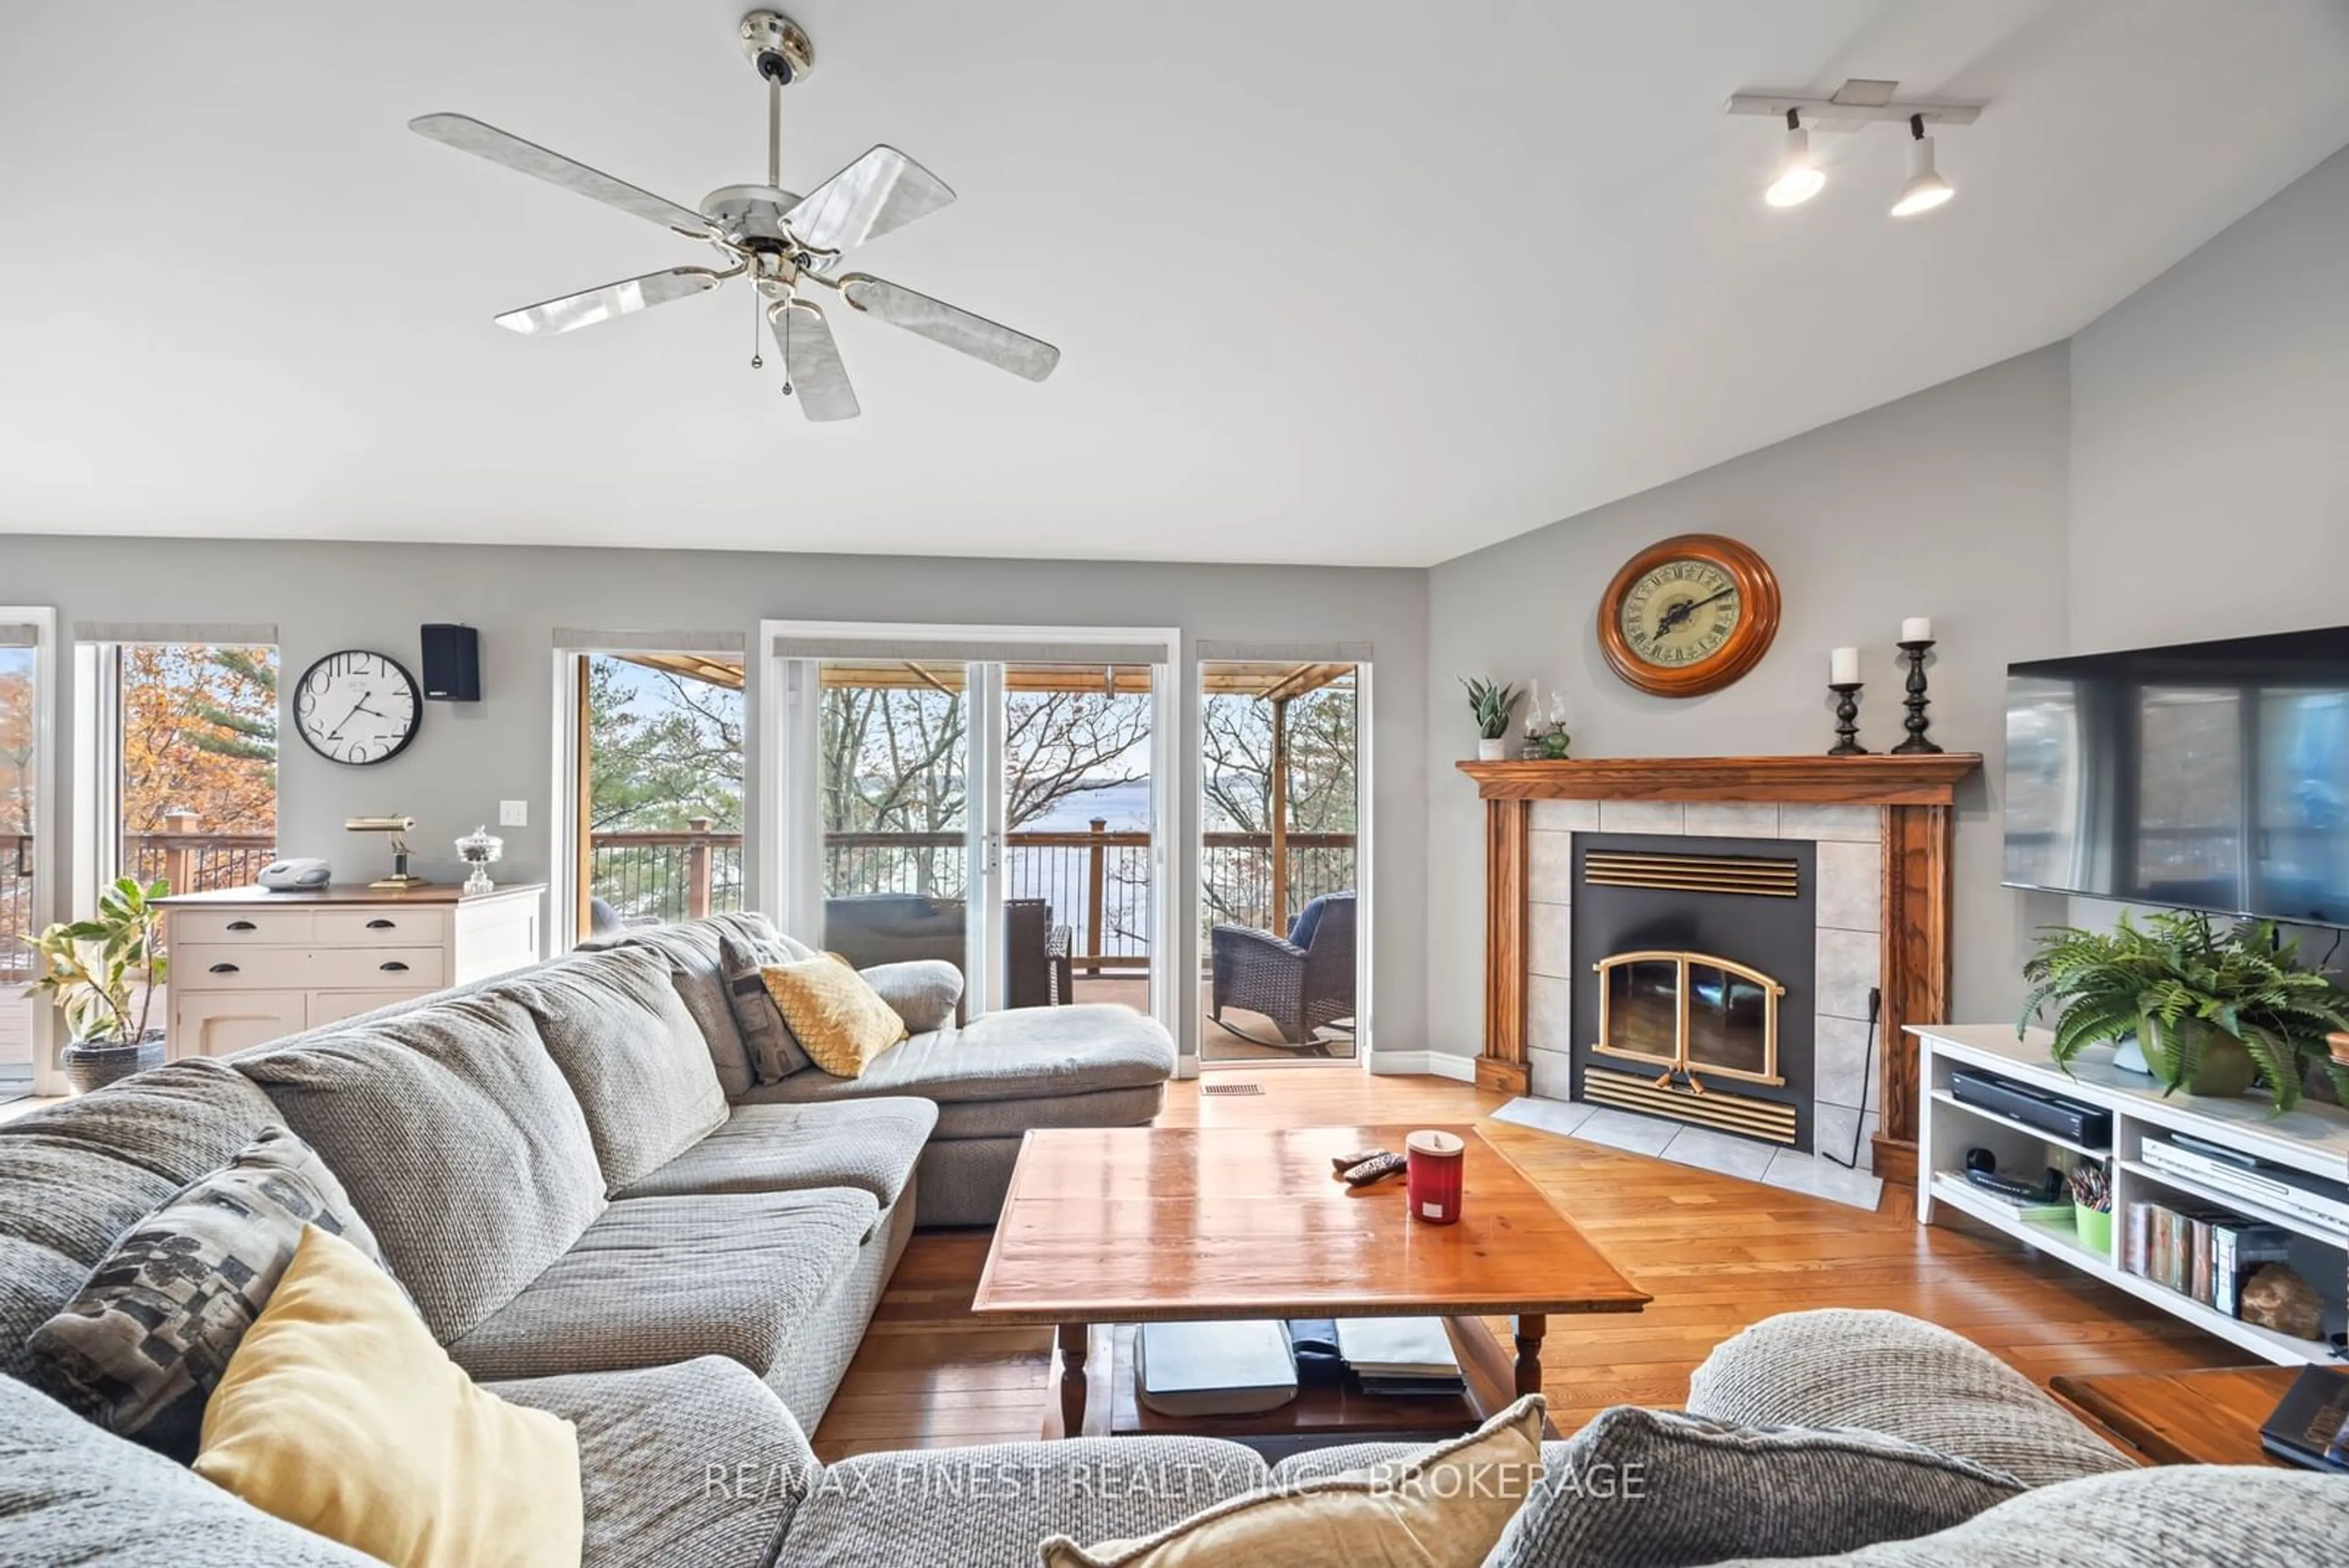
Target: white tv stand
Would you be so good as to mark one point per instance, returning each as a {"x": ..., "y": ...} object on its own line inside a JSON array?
[{"x": 2314, "y": 1138}]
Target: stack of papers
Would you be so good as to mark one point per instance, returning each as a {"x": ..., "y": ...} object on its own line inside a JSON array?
[{"x": 1401, "y": 1355}]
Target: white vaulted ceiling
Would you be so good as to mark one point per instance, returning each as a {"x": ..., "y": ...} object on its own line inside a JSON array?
[{"x": 1349, "y": 281}]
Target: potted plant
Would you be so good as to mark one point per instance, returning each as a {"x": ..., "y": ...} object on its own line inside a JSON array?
[
  {"x": 1492, "y": 705},
  {"x": 102, "y": 973},
  {"x": 2206, "y": 1009}
]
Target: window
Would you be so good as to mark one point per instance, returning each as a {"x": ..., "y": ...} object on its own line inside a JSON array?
[
  {"x": 195, "y": 764},
  {"x": 659, "y": 778}
]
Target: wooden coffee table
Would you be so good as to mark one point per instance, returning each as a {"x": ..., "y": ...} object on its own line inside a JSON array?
[{"x": 1112, "y": 1227}]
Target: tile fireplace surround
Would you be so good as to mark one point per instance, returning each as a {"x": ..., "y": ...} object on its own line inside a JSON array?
[{"x": 1881, "y": 826}]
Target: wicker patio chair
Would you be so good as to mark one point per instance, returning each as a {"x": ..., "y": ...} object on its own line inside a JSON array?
[
  {"x": 1302, "y": 982},
  {"x": 1038, "y": 969}
]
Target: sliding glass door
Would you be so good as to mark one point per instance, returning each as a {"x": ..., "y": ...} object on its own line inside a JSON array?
[{"x": 1004, "y": 813}]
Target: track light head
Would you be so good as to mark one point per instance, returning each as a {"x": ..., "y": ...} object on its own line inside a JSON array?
[
  {"x": 1798, "y": 179},
  {"x": 1926, "y": 190}
]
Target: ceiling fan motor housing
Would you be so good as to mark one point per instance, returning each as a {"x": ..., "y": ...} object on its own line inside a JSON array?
[{"x": 777, "y": 46}]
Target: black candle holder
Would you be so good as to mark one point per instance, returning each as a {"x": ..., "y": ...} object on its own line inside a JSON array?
[
  {"x": 1916, "y": 722},
  {"x": 1847, "y": 720}
]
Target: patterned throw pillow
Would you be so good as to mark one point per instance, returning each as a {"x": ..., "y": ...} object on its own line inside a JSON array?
[
  {"x": 144, "y": 1345},
  {"x": 775, "y": 1052},
  {"x": 840, "y": 1020}
]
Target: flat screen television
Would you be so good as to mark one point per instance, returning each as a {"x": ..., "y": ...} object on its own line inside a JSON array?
[{"x": 2210, "y": 776}]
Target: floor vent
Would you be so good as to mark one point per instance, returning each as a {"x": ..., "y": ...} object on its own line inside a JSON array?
[
  {"x": 1231, "y": 1089},
  {"x": 1756, "y": 1119},
  {"x": 1764, "y": 876}
]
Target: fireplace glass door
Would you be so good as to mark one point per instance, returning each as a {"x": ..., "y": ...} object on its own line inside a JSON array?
[{"x": 1690, "y": 1012}]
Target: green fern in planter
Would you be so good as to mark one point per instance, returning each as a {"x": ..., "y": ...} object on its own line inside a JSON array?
[{"x": 2189, "y": 992}]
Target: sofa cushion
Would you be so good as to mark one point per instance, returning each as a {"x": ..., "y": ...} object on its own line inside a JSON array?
[
  {"x": 697, "y": 973},
  {"x": 341, "y": 1414},
  {"x": 922, "y": 991},
  {"x": 1706, "y": 1489},
  {"x": 961, "y": 1119},
  {"x": 633, "y": 1056},
  {"x": 775, "y": 1052},
  {"x": 1890, "y": 1373},
  {"x": 869, "y": 1145},
  {"x": 659, "y": 1280},
  {"x": 692, "y": 1466},
  {"x": 992, "y": 1506},
  {"x": 1029, "y": 1052},
  {"x": 75, "y": 1176},
  {"x": 143, "y": 1345},
  {"x": 458, "y": 1140},
  {"x": 2175, "y": 1516},
  {"x": 72, "y": 1493}
]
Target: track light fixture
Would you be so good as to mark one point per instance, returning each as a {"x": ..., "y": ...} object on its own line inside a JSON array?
[
  {"x": 1854, "y": 107},
  {"x": 1798, "y": 178},
  {"x": 1926, "y": 190}
]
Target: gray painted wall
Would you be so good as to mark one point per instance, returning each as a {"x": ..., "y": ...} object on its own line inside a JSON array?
[
  {"x": 467, "y": 757},
  {"x": 1948, "y": 504},
  {"x": 2210, "y": 435}
]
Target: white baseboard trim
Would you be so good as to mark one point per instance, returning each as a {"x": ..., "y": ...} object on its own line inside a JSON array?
[
  {"x": 1427, "y": 1063},
  {"x": 1187, "y": 1066}
]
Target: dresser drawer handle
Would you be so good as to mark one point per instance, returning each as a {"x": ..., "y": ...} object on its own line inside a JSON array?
[
  {"x": 381, "y": 925},
  {"x": 223, "y": 969},
  {"x": 393, "y": 966},
  {"x": 241, "y": 926}
]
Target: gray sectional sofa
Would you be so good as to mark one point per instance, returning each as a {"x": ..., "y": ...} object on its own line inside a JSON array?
[{"x": 600, "y": 1213}]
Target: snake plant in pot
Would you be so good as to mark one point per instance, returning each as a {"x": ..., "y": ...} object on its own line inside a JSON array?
[
  {"x": 1492, "y": 705},
  {"x": 103, "y": 974},
  {"x": 2210, "y": 1010}
]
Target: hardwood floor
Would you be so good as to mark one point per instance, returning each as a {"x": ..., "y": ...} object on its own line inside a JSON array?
[{"x": 1716, "y": 1254}]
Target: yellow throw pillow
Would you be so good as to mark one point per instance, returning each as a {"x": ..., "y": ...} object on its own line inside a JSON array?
[
  {"x": 835, "y": 1015},
  {"x": 1444, "y": 1507},
  {"x": 340, "y": 1414}
]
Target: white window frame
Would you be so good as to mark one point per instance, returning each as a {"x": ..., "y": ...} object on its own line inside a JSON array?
[
  {"x": 563, "y": 826},
  {"x": 50, "y": 813},
  {"x": 786, "y": 874}
]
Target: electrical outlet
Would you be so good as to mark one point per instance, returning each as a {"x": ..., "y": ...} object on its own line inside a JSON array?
[{"x": 513, "y": 814}]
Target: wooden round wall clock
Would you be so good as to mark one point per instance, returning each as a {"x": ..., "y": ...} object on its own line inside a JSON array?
[{"x": 1689, "y": 615}]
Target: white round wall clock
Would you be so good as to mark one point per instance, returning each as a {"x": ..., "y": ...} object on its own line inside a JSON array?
[{"x": 358, "y": 707}]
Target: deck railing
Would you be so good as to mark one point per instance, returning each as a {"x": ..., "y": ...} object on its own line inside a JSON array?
[
  {"x": 1097, "y": 881},
  {"x": 188, "y": 859}
]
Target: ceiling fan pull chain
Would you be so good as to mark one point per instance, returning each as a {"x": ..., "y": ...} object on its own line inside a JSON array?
[{"x": 756, "y": 362}]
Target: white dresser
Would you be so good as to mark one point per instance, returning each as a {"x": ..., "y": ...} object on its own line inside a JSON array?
[{"x": 249, "y": 966}]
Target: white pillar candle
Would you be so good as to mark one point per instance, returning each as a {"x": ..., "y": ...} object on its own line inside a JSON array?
[
  {"x": 1843, "y": 667},
  {"x": 1916, "y": 629}
]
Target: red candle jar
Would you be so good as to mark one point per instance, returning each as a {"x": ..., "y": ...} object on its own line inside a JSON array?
[{"x": 1435, "y": 1158}]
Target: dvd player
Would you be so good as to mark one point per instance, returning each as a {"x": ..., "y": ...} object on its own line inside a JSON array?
[
  {"x": 2310, "y": 1199},
  {"x": 2083, "y": 1124}
]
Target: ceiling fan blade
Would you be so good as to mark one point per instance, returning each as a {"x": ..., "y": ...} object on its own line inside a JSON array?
[
  {"x": 623, "y": 299},
  {"x": 882, "y": 191},
  {"x": 469, "y": 135},
  {"x": 939, "y": 322},
  {"x": 811, "y": 359}
]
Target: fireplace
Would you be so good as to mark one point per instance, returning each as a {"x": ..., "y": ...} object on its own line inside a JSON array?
[
  {"x": 1698, "y": 1002},
  {"x": 1885, "y": 823}
]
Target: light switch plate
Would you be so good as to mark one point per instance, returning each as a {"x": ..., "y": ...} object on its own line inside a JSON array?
[{"x": 513, "y": 814}]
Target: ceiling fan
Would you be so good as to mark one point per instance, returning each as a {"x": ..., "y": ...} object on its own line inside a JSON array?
[{"x": 788, "y": 245}]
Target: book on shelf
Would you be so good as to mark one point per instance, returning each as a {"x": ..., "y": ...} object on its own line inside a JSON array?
[
  {"x": 1401, "y": 1355},
  {"x": 1214, "y": 1368},
  {"x": 2199, "y": 1251},
  {"x": 2310, "y": 1426}
]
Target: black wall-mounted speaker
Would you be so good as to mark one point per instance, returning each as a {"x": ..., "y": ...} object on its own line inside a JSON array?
[{"x": 452, "y": 664}]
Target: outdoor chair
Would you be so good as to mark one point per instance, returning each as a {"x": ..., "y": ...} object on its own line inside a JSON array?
[{"x": 1301, "y": 982}]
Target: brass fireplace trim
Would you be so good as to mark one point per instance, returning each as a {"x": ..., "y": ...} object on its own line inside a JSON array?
[
  {"x": 1679, "y": 1062},
  {"x": 1765, "y": 1119},
  {"x": 1755, "y": 876}
]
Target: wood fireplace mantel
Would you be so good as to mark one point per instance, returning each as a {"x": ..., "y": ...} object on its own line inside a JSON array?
[{"x": 1915, "y": 797}]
